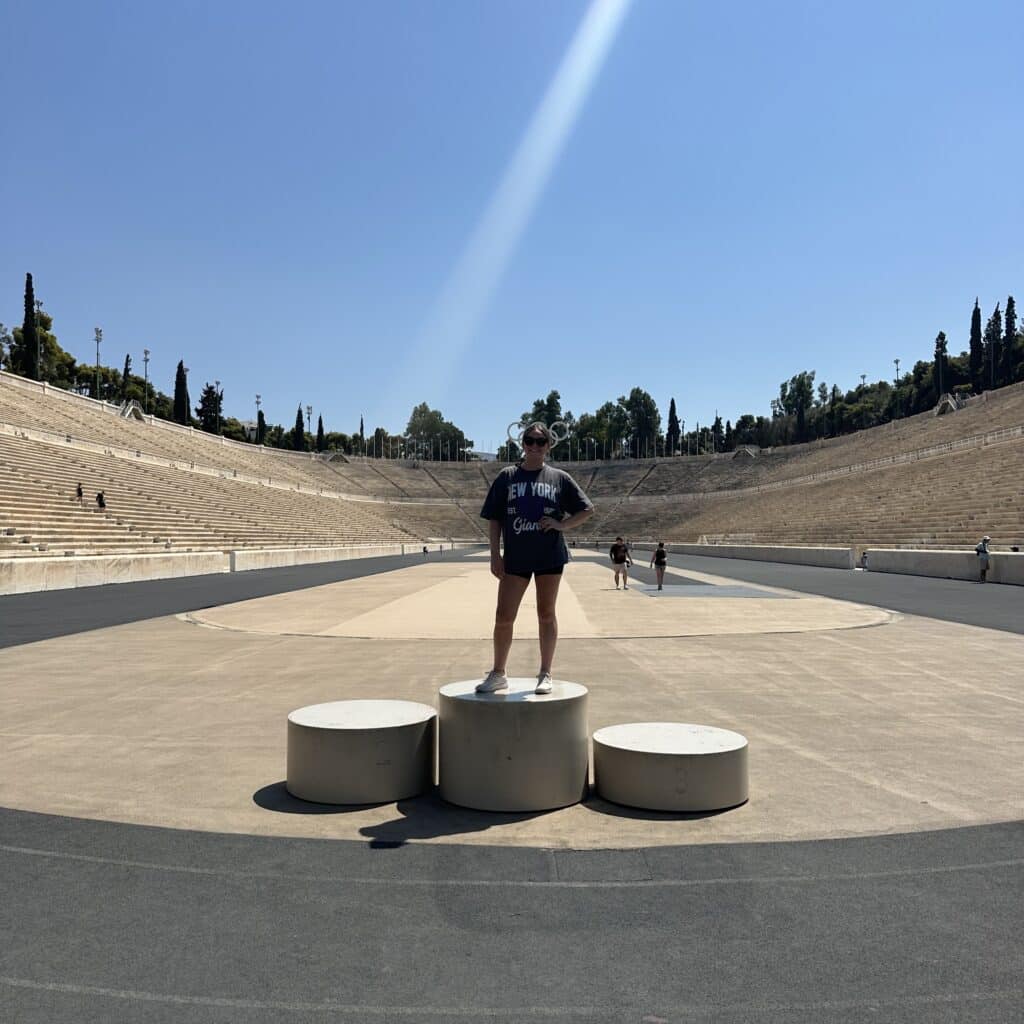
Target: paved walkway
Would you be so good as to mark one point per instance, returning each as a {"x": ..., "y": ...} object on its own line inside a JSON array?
[{"x": 875, "y": 873}]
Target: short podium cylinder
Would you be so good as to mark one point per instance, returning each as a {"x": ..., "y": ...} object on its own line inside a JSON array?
[
  {"x": 361, "y": 751},
  {"x": 670, "y": 766},
  {"x": 513, "y": 750}
]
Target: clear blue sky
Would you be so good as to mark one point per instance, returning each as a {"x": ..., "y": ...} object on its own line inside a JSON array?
[{"x": 278, "y": 194}]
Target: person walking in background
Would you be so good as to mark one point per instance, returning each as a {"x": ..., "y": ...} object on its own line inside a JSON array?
[
  {"x": 529, "y": 506},
  {"x": 659, "y": 560},
  {"x": 101, "y": 501},
  {"x": 981, "y": 550},
  {"x": 80, "y": 494},
  {"x": 619, "y": 554}
]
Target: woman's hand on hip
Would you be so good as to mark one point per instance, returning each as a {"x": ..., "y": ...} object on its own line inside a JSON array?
[{"x": 547, "y": 523}]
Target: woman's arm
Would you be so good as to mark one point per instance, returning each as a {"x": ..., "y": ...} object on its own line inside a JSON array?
[{"x": 547, "y": 523}]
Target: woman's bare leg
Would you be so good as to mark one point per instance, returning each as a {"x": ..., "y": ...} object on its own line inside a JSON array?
[
  {"x": 547, "y": 595},
  {"x": 510, "y": 596},
  {"x": 659, "y": 571}
]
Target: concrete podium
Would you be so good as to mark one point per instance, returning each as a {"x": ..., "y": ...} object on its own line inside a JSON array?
[
  {"x": 671, "y": 766},
  {"x": 513, "y": 750},
  {"x": 361, "y": 751}
]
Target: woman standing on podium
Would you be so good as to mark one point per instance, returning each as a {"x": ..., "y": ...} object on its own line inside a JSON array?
[{"x": 529, "y": 506}]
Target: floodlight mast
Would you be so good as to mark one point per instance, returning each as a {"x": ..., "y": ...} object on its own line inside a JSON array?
[{"x": 98, "y": 337}]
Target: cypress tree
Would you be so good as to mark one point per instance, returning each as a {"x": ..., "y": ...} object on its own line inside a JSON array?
[
  {"x": 124, "y": 376},
  {"x": 672, "y": 433},
  {"x": 991, "y": 342},
  {"x": 362, "y": 436},
  {"x": 299, "y": 432},
  {"x": 181, "y": 399},
  {"x": 29, "y": 337},
  {"x": 940, "y": 373},
  {"x": 1008, "y": 354},
  {"x": 730, "y": 437},
  {"x": 976, "y": 358},
  {"x": 261, "y": 427},
  {"x": 321, "y": 443}
]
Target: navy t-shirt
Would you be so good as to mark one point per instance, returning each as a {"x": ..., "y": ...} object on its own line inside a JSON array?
[{"x": 519, "y": 498}]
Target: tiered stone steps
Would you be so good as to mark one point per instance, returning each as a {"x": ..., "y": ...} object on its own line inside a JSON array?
[{"x": 219, "y": 495}]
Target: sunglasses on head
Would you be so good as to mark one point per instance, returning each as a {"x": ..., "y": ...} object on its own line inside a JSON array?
[{"x": 539, "y": 441}]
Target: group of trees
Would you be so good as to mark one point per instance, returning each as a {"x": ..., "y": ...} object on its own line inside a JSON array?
[
  {"x": 803, "y": 410},
  {"x": 629, "y": 427},
  {"x": 428, "y": 436}
]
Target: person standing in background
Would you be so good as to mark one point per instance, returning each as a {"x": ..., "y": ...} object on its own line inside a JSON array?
[{"x": 659, "y": 560}]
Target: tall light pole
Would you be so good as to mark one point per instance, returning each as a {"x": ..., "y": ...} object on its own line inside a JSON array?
[
  {"x": 98, "y": 337},
  {"x": 309, "y": 419},
  {"x": 216, "y": 397},
  {"x": 259, "y": 440},
  {"x": 896, "y": 389},
  {"x": 145, "y": 393}
]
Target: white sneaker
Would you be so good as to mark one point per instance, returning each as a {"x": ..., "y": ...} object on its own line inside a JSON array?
[
  {"x": 543, "y": 683},
  {"x": 492, "y": 682}
]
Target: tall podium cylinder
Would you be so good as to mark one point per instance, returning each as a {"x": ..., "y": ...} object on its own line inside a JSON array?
[{"x": 513, "y": 750}]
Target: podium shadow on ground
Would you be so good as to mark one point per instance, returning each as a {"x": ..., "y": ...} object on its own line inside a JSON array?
[
  {"x": 276, "y": 797},
  {"x": 430, "y": 817},
  {"x": 421, "y": 817},
  {"x": 601, "y": 806}
]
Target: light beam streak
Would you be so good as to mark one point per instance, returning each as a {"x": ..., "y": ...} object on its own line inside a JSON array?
[{"x": 482, "y": 263}]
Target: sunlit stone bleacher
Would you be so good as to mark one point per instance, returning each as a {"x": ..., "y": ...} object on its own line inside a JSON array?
[
  {"x": 150, "y": 505},
  {"x": 172, "y": 488},
  {"x": 946, "y": 501}
]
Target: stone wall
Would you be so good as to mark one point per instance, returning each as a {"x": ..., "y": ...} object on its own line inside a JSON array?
[
  {"x": 25, "y": 574},
  {"x": 830, "y": 558},
  {"x": 1004, "y": 566}
]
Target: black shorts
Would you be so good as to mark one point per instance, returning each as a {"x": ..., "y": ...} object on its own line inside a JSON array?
[{"x": 557, "y": 571}]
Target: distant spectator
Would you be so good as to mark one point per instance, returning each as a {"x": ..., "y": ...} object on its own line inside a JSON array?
[
  {"x": 619, "y": 554},
  {"x": 80, "y": 494},
  {"x": 864, "y": 559},
  {"x": 659, "y": 560},
  {"x": 424, "y": 550},
  {"x": 981, "y": 550},
  {"x": 101, "y": 501}
]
